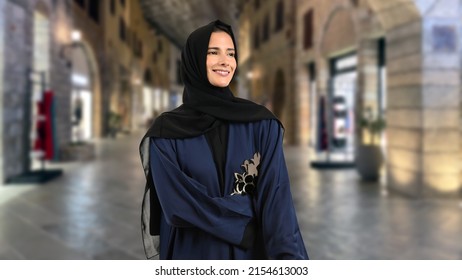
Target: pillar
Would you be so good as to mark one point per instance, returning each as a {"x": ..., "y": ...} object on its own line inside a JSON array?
[{"x": 423, "y": 102}]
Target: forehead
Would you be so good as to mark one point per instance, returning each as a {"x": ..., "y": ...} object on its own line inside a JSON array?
[{"x": 221, "y": 38}]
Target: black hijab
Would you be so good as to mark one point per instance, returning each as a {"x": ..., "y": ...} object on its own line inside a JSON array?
[{"x": 204, "y": 106}]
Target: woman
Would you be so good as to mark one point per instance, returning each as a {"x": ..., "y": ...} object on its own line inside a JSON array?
[{"x": 217, "y": 183}]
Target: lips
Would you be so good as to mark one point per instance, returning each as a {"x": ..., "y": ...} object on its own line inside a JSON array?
[{"x": 220, "y": 72}]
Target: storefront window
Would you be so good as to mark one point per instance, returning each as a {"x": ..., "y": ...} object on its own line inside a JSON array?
[{"x": 334, "y": 116}]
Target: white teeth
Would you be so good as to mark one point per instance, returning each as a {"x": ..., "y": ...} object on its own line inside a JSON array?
[{"x": 221, "y": 72}]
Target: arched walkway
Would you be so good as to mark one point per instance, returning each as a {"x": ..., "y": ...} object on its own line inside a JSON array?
[{"x": 86, "y": 91}]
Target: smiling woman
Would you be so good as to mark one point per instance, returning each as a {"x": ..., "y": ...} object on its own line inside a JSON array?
[
  {"x": 217, "y": 185},
  {"x": 221, "y": 61}
]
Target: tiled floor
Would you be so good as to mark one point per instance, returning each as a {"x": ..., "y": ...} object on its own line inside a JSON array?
[{"x": 92, "y": 212}]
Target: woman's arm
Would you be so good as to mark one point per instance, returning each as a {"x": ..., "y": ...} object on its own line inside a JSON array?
[
  {"x": 185, "y": 202},
  {"x": 275, "y": 208}
]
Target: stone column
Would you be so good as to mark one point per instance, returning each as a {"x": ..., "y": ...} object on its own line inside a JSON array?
[
  {"x": 2, "y": 59},
  {"x": 367, "y": 92},
  {"x": 60, "y": 25},
  {"x": 16, "y": 59},
  {"x": 423, "y": 102}
]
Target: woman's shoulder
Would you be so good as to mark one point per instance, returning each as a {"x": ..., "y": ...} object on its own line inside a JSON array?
[
  {"x": 265, "y": 124},
  {"x": 262, "y": 130},
  {"x": 175, "y": 124}
]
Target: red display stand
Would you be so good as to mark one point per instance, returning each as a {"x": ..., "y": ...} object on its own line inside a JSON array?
[{"x": 44, "y": 143}]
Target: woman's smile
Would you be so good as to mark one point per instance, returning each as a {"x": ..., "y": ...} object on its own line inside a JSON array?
[
  {"x": 221, "y": 61},
  {"x": 223, "y": 73}
]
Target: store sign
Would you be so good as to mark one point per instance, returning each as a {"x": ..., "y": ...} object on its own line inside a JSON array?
[{"x": 444, "y": 38}]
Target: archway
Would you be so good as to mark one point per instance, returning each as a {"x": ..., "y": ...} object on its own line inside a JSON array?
[
  {"x": 394, "y": 13},
  {"x": 331, "y": 118},
  {"x": 339, "y": 31},
  {"x": 81, "y": 97},
  {"x": 86, "y": 94}
]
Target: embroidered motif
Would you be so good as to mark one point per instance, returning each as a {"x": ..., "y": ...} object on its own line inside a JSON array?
[{"x": 245, "y": 182}]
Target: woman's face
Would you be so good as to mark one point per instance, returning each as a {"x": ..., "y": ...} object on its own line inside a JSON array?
[{"x": 221, "y": 61}]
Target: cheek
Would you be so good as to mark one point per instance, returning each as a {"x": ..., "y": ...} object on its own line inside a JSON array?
[
  {"x": 209, "y": 63},
  {"x": 233, "y": 66}
]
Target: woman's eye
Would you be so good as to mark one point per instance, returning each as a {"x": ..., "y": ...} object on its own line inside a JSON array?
[
  {"x": 211, "y": 52},
  {"x": 232, "y": 54}
]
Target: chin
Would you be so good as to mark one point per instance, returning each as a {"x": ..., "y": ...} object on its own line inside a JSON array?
[{"x": 220, "y": 84}]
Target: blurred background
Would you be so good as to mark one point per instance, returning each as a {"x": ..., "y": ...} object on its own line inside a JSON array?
[{"x": 369, "y": 92}]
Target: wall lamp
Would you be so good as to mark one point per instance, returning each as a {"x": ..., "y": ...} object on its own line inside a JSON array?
[{"x": 65, "y": 52}]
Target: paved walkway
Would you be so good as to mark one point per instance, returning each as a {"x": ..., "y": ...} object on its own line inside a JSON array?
[{"x": 92, "y": 212}]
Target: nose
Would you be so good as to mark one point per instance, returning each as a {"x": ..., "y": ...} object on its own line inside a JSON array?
[{"x": 223, "y": 60}]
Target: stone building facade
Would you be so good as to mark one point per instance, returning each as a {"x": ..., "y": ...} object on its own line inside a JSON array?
[
  {"x": 267, "y": 56},
  {"x": 396, "y": 59},
  {"x": 423, "y": 88},
  {"x": 88, "y": 59},
  {"x": 130, "y": 62},
  {"x": 33, "y": 33},
  {"x": 117, "y": 65}
]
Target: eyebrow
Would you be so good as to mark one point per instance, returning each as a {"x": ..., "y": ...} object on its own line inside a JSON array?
[{"x": 216, "y": 48}]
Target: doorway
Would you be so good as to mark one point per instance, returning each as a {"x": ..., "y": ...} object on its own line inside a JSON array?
[
  {"x": 81, "y": 97},
  {"x": 81, "y": 101},
  {"x": 334, "y": 145},
  {"x": 342, "y": 103}
]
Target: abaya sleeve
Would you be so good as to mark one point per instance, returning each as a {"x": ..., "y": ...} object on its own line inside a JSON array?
[
  {"x": 274, "y": 205},
  {"x": 185, "y": 202}
]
